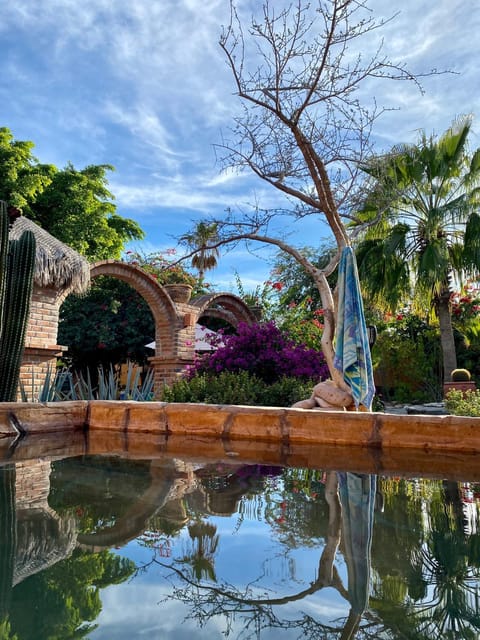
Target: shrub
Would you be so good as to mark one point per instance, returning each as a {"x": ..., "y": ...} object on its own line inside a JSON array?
[
  {"x": 266, "y": 352},
  {"x": 237, "y": 388},
  {"x": 399, "y": 344},
  {"x": 460, "y": 403}
]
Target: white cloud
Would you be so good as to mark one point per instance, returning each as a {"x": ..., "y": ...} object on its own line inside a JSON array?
[{"x": 144, "y": 86}]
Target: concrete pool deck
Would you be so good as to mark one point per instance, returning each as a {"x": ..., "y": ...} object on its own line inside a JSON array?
[
  {"x": 231, "y": 422},
  {"x": 440, "y": 446}
]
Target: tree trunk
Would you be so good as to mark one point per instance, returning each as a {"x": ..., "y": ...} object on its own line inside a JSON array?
[{"x": 442, "y": 306}]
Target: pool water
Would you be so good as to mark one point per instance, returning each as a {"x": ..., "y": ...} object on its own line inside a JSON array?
[{"x": 105, "y": 547}]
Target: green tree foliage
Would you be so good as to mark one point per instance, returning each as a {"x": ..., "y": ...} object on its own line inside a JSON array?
[
  {"x": 67, "y": 594},
  {"x": 297, "y": 284},
  {"x": 163, "y": 266},
  {"x": 22, "y": 178},
  {"x": 75, "y": 206},
  {"x": 423, "y": 226},
  {"x": 407, "y": 360}
]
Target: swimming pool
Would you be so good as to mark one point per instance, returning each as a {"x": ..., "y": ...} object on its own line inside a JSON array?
[{"x": 121, "y": 544}]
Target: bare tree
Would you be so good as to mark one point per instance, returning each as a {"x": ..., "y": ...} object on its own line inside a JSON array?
[{"x": 301, "y": 71}]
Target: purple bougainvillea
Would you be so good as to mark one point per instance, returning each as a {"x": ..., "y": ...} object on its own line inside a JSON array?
[{"x": 265, "y": 351}]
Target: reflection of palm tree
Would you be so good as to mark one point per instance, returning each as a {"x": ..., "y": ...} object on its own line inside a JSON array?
[
  {"x": 204, "y": 539},
  {"x": 442, "y": 600},
  {"x": 453, "y": 609}
]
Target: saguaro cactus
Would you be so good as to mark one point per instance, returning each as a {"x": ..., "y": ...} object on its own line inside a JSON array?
[{"x": 17, "y": 263}]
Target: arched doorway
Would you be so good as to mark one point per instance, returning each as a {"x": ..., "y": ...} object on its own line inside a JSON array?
[{"x": 174, "y": 321}]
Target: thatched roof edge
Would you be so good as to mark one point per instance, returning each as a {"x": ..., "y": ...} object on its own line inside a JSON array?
[{"x": 56, "y": 264}]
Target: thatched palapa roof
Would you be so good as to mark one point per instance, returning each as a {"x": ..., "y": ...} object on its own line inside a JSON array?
[{"x": 56, "y": 264}]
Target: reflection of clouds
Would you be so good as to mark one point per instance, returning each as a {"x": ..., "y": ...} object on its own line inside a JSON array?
[{"x": 141, "y": 612}]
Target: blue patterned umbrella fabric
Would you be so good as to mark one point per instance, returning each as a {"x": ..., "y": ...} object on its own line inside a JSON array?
[{"x": 352, "y": 350}]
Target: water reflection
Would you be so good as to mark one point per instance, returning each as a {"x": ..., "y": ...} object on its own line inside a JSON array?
[{"x": 233, "y": 549}]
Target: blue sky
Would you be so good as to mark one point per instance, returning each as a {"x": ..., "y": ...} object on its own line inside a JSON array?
[{"x": 143, "y": 86}]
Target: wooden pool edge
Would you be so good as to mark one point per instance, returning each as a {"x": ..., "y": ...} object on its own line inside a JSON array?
[{"x": 258, "y": 424}]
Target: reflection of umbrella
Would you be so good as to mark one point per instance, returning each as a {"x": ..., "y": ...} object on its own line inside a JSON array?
[
  {"x": 352, "y": 351},
  {"x": 203, "y": 337},
  {"x": 357, "y": 496}
]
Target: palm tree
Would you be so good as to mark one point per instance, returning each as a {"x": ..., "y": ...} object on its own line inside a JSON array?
[
  {"x": 200, "y": 240},
  {"x": 422, "y": 226}
]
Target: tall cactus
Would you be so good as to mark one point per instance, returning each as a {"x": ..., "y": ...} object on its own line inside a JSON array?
[{"x": 17, "y": 263}]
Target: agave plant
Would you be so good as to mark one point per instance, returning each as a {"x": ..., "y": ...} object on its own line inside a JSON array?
[{"x": 63, "y": 384}]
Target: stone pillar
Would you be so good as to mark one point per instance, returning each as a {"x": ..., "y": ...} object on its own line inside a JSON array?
[{"x": 41, "y": 348}]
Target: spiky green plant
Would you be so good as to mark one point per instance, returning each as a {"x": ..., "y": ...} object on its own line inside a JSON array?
[
  {"x": 17, "y": 264},
  {"x": 64, "y": 385}
]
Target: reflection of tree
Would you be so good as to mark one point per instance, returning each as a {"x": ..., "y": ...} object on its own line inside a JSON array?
[
  {"x": 453, "y": 608},
  {"x": 65, "y": 596},
  {"x": 200, "y": 557},
  {"x": 437, "y": 593},
  {"x": 253, "y": 605},
  {"x": 56, "y": 602}
]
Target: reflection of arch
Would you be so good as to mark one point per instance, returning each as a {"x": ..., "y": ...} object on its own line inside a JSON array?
[{"x": 132, "y": 523}]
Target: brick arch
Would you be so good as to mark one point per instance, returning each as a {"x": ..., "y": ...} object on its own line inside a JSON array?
[
  {"x": 226, "y": 306},
  {"x": 174, "y": 331},
  {"x": 164, "y": 311},
  {"x": 174, "y": 321},
  {"x": 174, "y": 324}
]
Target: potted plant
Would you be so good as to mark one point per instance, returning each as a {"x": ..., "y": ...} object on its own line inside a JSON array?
[
  {"x": 172, "y": 276},
  {"x": 461, "y": 380}
]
